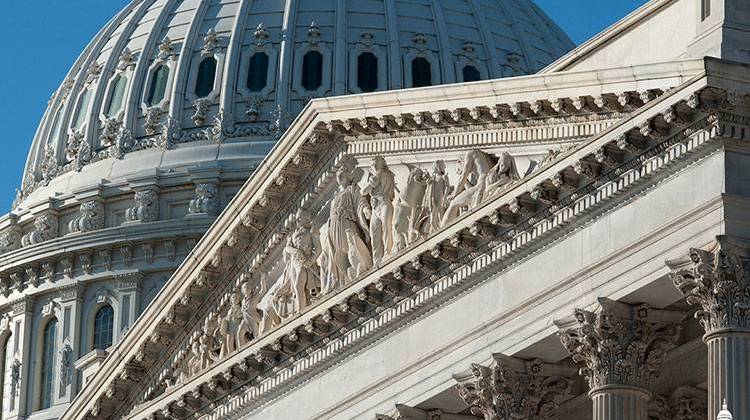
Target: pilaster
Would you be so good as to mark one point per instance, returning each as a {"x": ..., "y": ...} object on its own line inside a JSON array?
[
  {"x": 71, "y": 306},
  {"x": 620, "y": 349},
  {"x": 23, "y": 312},
  {"x": 716, "y": 280},
  {"x": 129, "y": 286}
]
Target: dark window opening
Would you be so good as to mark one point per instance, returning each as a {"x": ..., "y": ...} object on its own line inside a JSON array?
[
  {"x": 206, "y": 77},
  {"x": 158, "y": 88},
  {"x": 367, "y": 72},
  {"x": 421, "y": 72},
  {"x": 257, "y": 75},
  {"x": 103, "y": 325},
  {"x": 312, "y": 70},
  {"x": 48, "y": 363},
  {"x": 471, "y": 74},
  {"x": 117, "y": 96}
]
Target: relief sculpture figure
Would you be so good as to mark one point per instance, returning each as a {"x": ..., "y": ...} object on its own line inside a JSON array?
[
  {"x": 436, "y": 198},
  {"x": 230, "y": 325},
  {"x": 482, "y": 175},
  {"x": 300, "y": 256},
  {"x": 347, "y": 212},
  {"x": 248, "y": 328},
  {"x": 409, "y": 208},
  {"x": 381, "y": 188}
]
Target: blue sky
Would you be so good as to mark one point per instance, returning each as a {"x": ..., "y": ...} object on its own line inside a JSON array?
[{"x": 46, "y": 36}]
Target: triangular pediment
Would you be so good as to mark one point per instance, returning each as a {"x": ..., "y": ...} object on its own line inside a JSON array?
[{"x": 367, "y": 214}]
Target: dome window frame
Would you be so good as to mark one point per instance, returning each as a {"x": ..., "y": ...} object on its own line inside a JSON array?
[
  {"x": 469, "y": 57},
  {"x": 218, "y": 53},
  {"x": 171, "y": 64},
  {"x": 128, "y": 73},
  {"x": 368, "y": 44},
  {"x": 247, "y": 54},
  {"x": 431, "y": 58},
  {"x": 326, "y": 82}
]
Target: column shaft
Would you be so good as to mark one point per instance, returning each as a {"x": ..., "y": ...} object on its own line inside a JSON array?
[
  {"x": 729, "y": 373},
  {"x": 620, "y": 404}
]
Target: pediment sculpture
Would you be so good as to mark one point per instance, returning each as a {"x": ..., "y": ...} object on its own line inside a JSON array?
[{"x": 368, "y": 219}]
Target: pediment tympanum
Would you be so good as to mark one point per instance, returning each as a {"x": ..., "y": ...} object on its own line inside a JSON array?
[{"x": 356, "y": 224}]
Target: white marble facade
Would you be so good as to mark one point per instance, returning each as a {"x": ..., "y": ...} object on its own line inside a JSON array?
[{"x": 567, "y": 245}]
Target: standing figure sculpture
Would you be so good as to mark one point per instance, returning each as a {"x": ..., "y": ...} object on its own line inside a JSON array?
[
  {"x": 482, "y": 175},
  {"x": 381, "y": 188},
  {"x": 409, "y": 209},
  {"x": 436, "y": 198},
  {"x": 230, "y": 325},
  {"x": 300, "y": 274},
  {"x": 248, "y": 329},
  {"x": 347, "y": 212}
]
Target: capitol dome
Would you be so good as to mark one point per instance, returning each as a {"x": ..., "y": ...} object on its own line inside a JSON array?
[
  {"x": 167, "y": 113},
  {"x": 171, "y": 84}
]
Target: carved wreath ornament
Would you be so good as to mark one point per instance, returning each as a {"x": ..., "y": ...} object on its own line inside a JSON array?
[{"x": 716, "y": 281}]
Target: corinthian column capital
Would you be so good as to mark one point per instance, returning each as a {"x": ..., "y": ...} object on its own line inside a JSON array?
[
  {"x": 621, "y": 345},
  {"x": 716, "y": 281},
  {"x": 515, "y": 389}
]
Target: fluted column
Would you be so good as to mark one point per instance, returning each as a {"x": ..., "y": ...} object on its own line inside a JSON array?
[
  {"x": 515, "y": 389},
  {"x": 620, "y": 350},
  {"x": 716, "y": 281}
]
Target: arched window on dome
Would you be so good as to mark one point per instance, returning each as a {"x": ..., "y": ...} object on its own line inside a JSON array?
[
  {"x": 421, "y": 72},
  {"x": 116, "y": 95},
  {"x": 367, "y": 72},
  {"x": 312, "y": 70},
  {"x": 204, "y": 83},
  {"x": 82, "y": 109},
  {"x": 47, "y": 372},
  {"x": 471, "y": 74},
  {"x": 104, "y": 322},
  {"x": 257, "y": 74},
  {"x": 158, "y": 88}
]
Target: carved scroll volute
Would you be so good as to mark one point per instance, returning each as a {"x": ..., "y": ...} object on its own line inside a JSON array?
[
  {"x": 620, "y": 345},
  {"x": 716, "y": 281},
  {"x": 515, "y": 389}
]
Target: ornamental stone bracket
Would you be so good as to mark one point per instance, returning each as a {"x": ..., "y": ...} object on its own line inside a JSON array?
[
  {"x": 621, "y": 349},
  {"x": 514, "y": 388}
]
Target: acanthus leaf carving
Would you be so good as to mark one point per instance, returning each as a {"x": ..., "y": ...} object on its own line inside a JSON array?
[
  {"x": 622, "y": 344},
  {"x": 716, "y": 281},
  {"x": 514, "y": 389}
]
